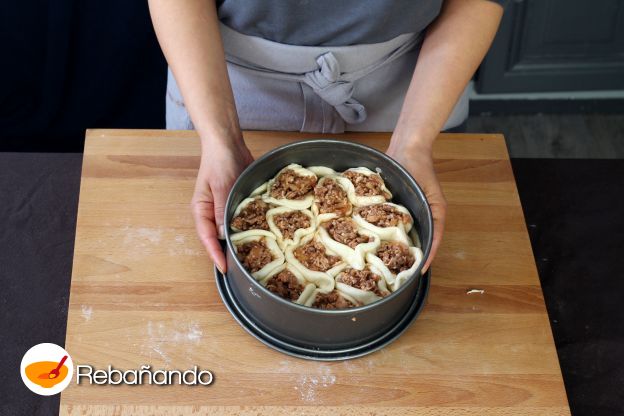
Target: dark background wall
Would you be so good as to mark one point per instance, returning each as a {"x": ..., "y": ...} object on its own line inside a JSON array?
[
  {"x": 76, "y": 64},
  {"x": 71, "y": 65},
  {"x": 557, "y": 45}
]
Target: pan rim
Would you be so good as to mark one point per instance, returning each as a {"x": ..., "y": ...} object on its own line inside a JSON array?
[
  {"x": 341, "y": 354},
  {"x": 426, "y": 245}
]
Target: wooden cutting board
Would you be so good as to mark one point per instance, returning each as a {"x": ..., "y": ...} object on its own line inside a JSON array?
[{"x": 143, "y": 292}]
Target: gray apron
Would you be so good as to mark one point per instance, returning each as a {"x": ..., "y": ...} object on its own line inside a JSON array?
[{"x": 322, "y": 89}]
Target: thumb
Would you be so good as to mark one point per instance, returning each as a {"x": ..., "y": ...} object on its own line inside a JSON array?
[
  {"x": 435, "y": 244},
  {"x": 220, "y": 198},
  {"x": 438, "y": 211}
]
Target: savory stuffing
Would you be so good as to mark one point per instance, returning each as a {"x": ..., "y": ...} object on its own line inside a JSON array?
[
  {"x": 345, "y": 231},
  {"x": 396, "y": 256},
  {"x": 252, "y": 217},
  {"x": 366, "y": 185},
  {"x": 286, "y": 285},
  {"x": 383, "y": 215},
  {"x": 313, "y": 256},
  {"x": 289, "y": 222},
  {"x": 254, "y": 255},
  {"x": 331, "y": 198},
  {"x": 334, "y": 215},
  {"x": 361, "y": 279},
  {"x": 331, "y": 300},
  {"x": 289, "y": 185}
]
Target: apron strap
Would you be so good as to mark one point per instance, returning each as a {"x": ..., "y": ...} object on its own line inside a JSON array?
[
  {"x": 335, "y": 90},
  {"x": 332, "y": 85}
]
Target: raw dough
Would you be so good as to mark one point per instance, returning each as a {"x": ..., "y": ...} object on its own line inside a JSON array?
[
  {"x": 299, "y": 203},
  {"x": 269, "y": 239},
  {"x": 282, "y": 242}
]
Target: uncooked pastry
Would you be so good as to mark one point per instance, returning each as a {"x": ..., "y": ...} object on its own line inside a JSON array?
[{"x": 266, "y": 237}]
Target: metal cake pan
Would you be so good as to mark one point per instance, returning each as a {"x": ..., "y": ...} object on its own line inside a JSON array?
[
  {"x": 321, "y": 354},
  {"x": 310, "y": 328}
]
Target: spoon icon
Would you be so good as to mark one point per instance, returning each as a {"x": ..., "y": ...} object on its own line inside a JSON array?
[{"x": 54, "y": 373}]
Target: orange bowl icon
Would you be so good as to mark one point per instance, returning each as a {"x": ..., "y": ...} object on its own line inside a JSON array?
[
  {"x": 41, "y": 373},
  {"x": 46, "y": 369}
]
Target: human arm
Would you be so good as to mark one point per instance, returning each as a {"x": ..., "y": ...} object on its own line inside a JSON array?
[
  {"x": 453, "y": 48},
  {"x": 188, "y": 32}
]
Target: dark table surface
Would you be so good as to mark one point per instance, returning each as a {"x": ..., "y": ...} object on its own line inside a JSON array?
[{"x": 574, "y": 210}]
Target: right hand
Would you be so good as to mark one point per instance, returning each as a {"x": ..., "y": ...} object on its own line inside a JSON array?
[
  {"x": 220, "y": 166},
  {"x": 418, "y": 161}
]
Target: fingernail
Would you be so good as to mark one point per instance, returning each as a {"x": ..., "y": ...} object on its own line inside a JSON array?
[
  {"x": 220, "y": 270},
  {"x": 221, "y": 232}
]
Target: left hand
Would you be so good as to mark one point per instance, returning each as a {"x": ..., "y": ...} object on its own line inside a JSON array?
[
  {"x": 222, "y": 161},
  {"x": 418, "y": 161}
]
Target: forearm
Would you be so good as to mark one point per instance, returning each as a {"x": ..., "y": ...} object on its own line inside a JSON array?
[
  {"x": 188, "y": 32},
  {"x": 453, "y": 48}
]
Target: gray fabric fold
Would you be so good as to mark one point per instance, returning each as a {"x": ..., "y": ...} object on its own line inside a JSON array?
[{"x": 325, "y": 89}]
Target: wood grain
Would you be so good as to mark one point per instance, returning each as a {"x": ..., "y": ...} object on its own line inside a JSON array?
[{"x": 143, "y": 292}]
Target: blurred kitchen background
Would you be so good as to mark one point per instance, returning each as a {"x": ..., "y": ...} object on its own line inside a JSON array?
[
  {"x": 553, "y": 84},
  {"x": 553, "y": 81}
]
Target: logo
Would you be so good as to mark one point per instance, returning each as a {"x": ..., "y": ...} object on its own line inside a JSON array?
[{"x": 47, "y": 369}]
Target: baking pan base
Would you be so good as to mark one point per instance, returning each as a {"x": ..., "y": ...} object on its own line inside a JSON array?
[{"x": 322, "y": 354}]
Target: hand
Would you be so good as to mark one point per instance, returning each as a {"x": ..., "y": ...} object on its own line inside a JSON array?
[
  {"x": 418, "y": 161},
  {"x": 220, "y": 167}
]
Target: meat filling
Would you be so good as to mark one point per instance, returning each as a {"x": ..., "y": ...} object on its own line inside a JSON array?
[
  {"x": 252, "y": 217},
  {"x": 396, "y": 256},
  {"x": 289, "y": 185},
  {"x": 332, "y": 300},
  {"x": 383, "y": 215},
  {"x": 254, "y": 255},
  {"x": 331, "y": 198},
  {"x": 361, "y": 279},
  {"x": 366, "y": 185},
  {"x": 286, "y": 285},
  {"x": 313, "y": 256},
  {"x": 289, "y": 222},
  {"x": 344, "y": 231}
]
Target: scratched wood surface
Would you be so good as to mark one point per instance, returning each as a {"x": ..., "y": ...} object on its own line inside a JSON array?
[{"x": 143, "y": 292}]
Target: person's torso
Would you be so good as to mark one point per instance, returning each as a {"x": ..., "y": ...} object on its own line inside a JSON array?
[{"x": 328, "y": 22}]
